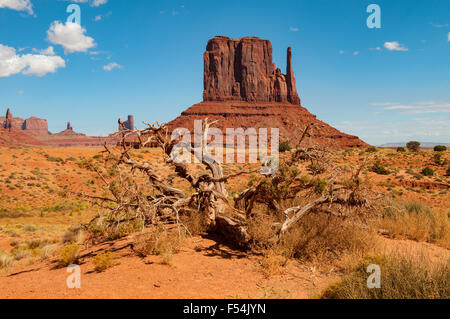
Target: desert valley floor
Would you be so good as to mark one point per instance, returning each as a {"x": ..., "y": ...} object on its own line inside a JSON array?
[{"x": 38, "y": 208}]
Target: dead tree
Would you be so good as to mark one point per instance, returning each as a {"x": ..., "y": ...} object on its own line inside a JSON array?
[{"x": 129, "y": 198}]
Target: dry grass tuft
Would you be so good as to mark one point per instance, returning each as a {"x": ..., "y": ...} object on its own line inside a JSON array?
[
  {"x": 160, "y": 241},
  {"x": 402, "y": 277},
  {"x": 6, "y": 261},
  {"x": 416, "y": 221}
]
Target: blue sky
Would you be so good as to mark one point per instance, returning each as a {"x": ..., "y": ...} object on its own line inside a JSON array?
[{"x": 146, "y": 58}]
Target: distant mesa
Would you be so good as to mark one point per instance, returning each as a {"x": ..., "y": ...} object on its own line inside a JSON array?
[
  {"x": 33, "y": 126},
  {"x": 244, "y": 89},
  {"x": 34, "y": 131}
]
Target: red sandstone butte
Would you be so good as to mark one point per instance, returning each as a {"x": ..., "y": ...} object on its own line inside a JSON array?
[
  {"x": 36, "y": 126},
  {"x": 244, "y": 89}
]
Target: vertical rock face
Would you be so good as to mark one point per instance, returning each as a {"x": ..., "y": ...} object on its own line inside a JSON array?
[
  {"x": 129, "y": 124},
  {"x": 244, "y": 89},
  {"x": 8, "y": 119},
  {"x": 243, "y": 70},
  {"x": 69, "y": 126},
  {"x": 36, "y": 126},
  {"x": 292, "y": 94}
]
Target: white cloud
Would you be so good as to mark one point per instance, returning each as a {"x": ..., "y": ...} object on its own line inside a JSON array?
[
  {"x": 112, "y": 66},
  {"x": 422, "y": 107},
  {"x": 375, "y": 49},
  {"x": 448, "y": 37},
  {"x": 356, "y": 53},
  {"x": 102, "y": 16},
  {"x": 19, "y": 5},
  {"x": 71, "y": 36},
  {"x": 394, "y": 46},
  {"x": 49, "y": 51},
  {"x": 92, "y": 3},
  {"x": 437, "y": 25},
  {"x": 341, "y": 51},
  {"x": 97, "y": 3},
  {"x": 293, "y": 29},
  {"x": 30, "y": 64},
  {"x": 20, "y": 92}
]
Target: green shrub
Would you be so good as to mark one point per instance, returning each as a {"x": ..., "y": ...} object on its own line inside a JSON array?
[
  {"x": 105, "y": 261},
  {"x": 440, "y": 148},
  {"x": 413, "y": 146},
  {"x": 448, "y": 171},
  {"x": 427, "y": 172},
  {"x": 379, "y": 168},
  {"x": 69, "y": 254},
  {"x": 371, "y": 150},
  {"x": 284, "y": 147},
  {"x": 437, "y": 158},
  {"x": 401, "y": 149}
]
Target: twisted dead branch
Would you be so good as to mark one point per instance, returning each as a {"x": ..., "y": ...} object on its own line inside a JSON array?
[{"x": 135, "y": 191}]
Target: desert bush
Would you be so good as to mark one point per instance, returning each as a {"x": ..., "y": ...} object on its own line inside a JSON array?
[
  {"x": 47, "y": 251},
  {"x": 20, "y": 253},
  {"x": 105, "y": 261},
  {"x": 69, "y": 254},
  {"x": 318, "y": 238},
  {"x": 379, "y": 168},
  {"x": 322, "y": 238},
  {"x": 158, "y": 240},
  {"x": 371, "y": 150},
  {"x": 6, "y": 261},
  {"x": 427, "y": 172},
  {"x": 448, "y": 171},
  {"x": 196, "y": 223},
  {"x": 440, "y": 148},
  {"x": 74, "y": 235},
  {"x": 413, "y": 146},
  {"x": 30, "y": 228},
  {"x": 401, "y": 150},
  {"x": 402, "y": 277},
  {"x": 272, "y": 262},
  {"x": 284, "y": 147},
  {"x": 437, "y": 158},
  {"x": 416, "y": 221}
]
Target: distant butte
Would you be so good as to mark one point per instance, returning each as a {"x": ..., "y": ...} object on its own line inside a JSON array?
[
  {"x": 244, "y": 89},
  {"x": 34, "y": 131}
]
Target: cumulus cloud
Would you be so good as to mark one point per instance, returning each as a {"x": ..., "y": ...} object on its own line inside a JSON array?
[
  {"x": 394, "y": 46},
  {"x": 19, "y": 5},
  {"x": 31, "y": 64},
  {"x": 112, "y": 66},
  {"x": 71, "y": 36},
  {"x": 293, "y": 29}
]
